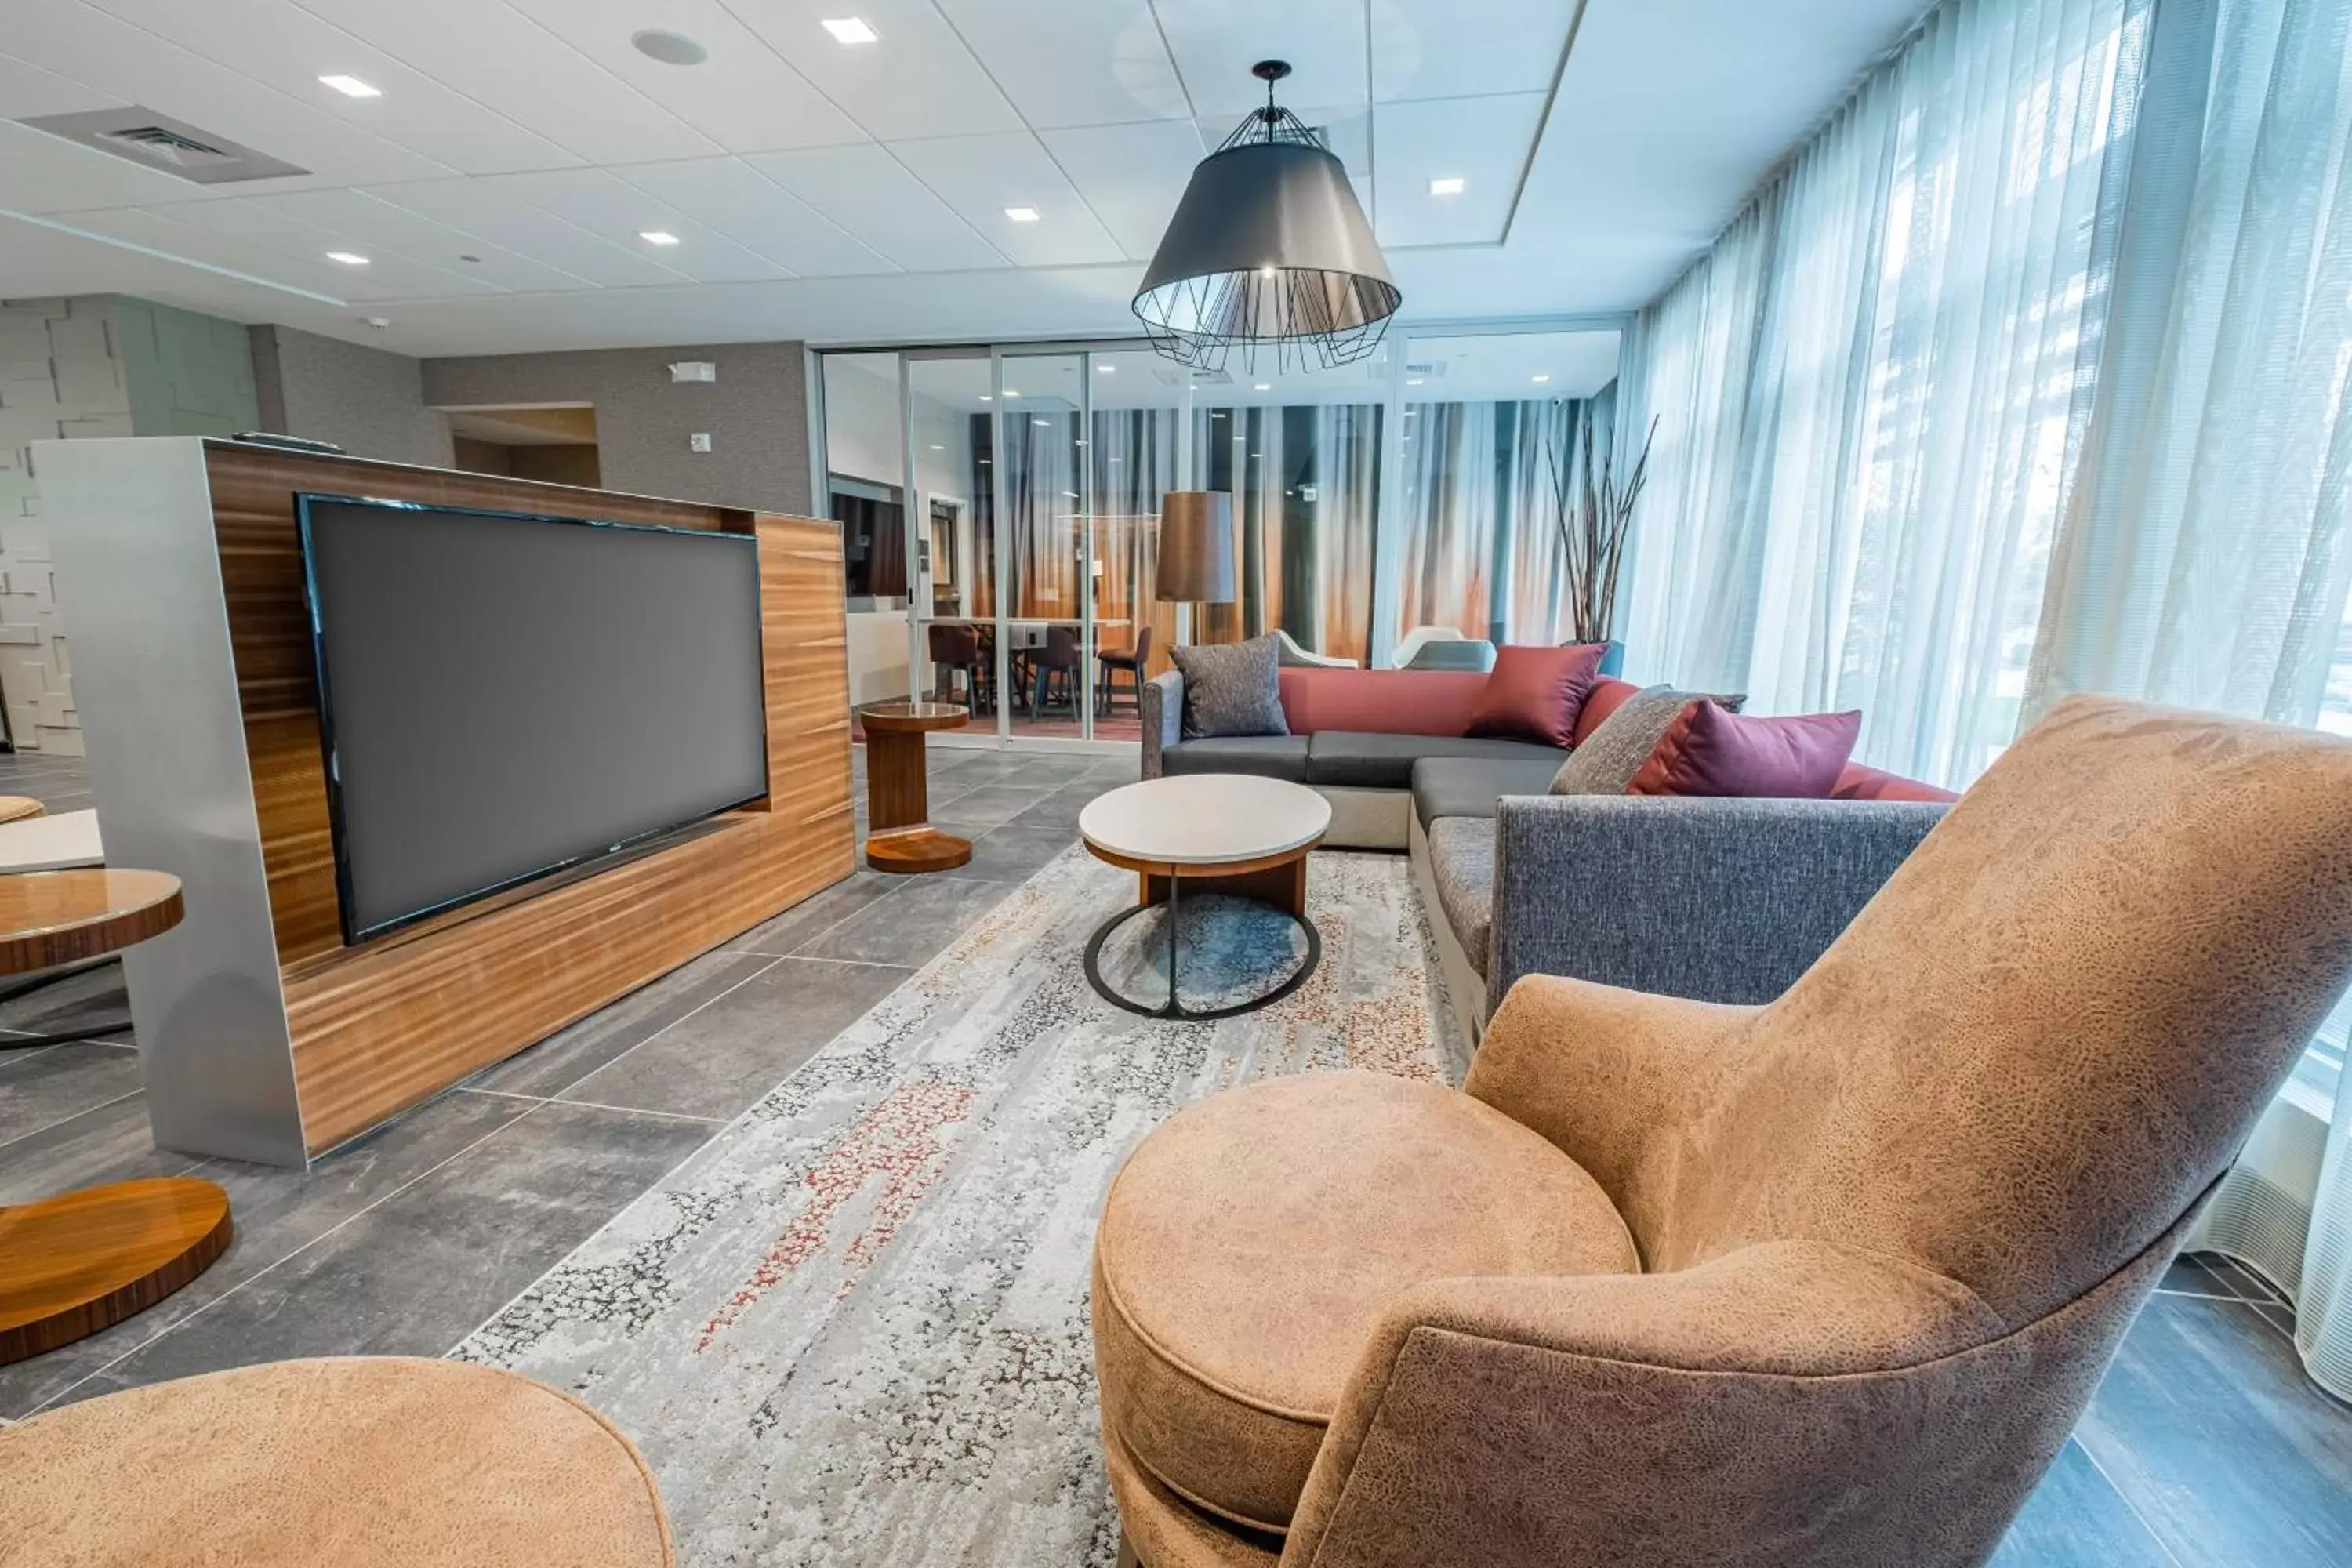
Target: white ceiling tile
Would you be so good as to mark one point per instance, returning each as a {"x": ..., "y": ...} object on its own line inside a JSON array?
[
  {"x": 1131, "y": 175},
  {"x": 1215, "y": 42},
  {"x": 872, "y": 195},
  {"x": 1467, "y": 48},
  {"x": 917, "y": 79},
  {"x": 491, "y": 209},
  {"x": 1346, "y": 130},
  {"x": 610, "y": 207},
  {"x": 1073, "y": 62},
  {"x": 744, "y": 96},
  {"x": 45, "y": 174},
  {"x": 507, "y": 62},
  {"x": 379, "y": 225},
  {"x": 133, "y": 65},
  {"x": 27, "y": 92},
  {"x": 1484, "y": 142},
  {"x": 388, "y": 274},
  {"x": 162, "y": 231},
  {"x": 730, "y": 195},
  {"x": 982, "y": 176},
  {"x": 284, "y": 48}
]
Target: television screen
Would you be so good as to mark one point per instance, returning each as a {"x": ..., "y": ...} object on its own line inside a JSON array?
[{"x": 504, "y": 695}]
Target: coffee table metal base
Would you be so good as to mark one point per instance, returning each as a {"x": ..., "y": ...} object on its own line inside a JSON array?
[{"x": 1174, "y": 1007}]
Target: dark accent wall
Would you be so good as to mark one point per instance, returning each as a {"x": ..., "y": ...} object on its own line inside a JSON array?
[
  {"x": 756, "y": 414},
  {"x": 369, "y": 402}
]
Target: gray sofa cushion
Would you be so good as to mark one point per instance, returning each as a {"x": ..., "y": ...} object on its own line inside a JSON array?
[
  {"x": 1462, "y": 863},
  {"x": 1361, "y": 760},
  {"x": 1232, "y": 689},
  {"x": 1267, "y": 756},
  {"x": 1469, "y": 786}
]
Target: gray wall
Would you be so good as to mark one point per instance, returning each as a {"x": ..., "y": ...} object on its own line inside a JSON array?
[
  {"x": 755, "y": 414},
  {"x": 96, "y": 365},
  {"x": 367, "y": 401}
]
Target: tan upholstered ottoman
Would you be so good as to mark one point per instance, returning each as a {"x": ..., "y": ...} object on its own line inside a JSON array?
[{"x": 362, "y": 1462}]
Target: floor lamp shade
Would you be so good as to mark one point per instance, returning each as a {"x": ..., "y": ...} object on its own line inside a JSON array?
[{"x": 1196, "y": 547}]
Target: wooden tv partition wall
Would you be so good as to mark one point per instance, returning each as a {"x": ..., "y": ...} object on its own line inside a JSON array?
[{"x": 173, "y": 553}]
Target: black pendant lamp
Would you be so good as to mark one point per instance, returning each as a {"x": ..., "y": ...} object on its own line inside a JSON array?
[{"x": 1268, "y": 253}]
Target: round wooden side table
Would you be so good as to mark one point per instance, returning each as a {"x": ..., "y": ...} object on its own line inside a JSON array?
[
  {"x": 898, "y": 834},
  {"x": 17, "y": 807},
  {"x": 84, "y": 1261}
]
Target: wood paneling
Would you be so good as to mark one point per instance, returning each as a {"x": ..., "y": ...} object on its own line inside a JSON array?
[{"x": 379, "y": 1026}]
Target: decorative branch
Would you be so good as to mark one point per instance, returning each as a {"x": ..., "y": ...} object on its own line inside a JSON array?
[{"x": 1594, "y": 513}]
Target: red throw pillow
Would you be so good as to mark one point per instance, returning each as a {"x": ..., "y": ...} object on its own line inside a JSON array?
[
  {"x": 1533, "y": 693},
  {"x": 1608, "y": 695},
  {"x": 1712, "y": 751}
]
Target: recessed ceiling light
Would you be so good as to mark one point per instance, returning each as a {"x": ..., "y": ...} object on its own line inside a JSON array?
[
  {"x": 670, "y": 48},
  {"x": 937, "y": 448},
  {"x": 1446, "y": 186},
  {"x": 1106, "y": 369},
  {"x": 851, "y": 30},
  {"x": 1265, "y": 386},
  {"x": 1009, "y": 393},
  {"x": 350, "y": 86},
  {"x": 657, "y": 236},
  {"x": 348, "y": 257},
  {"x": 1540, "y": 379},
  {"x": 1041, "y": 424},
  {"x": 1021, "y": 215},
  {"x": 986, "y": 397},
  {"x": 1413, "y": 381}
]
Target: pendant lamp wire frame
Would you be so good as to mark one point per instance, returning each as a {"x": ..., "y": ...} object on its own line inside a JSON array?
[{"x": 1278, "y": 318}]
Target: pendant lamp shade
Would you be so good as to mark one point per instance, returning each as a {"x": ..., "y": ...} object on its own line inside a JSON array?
[{"x": 1269, "y": 251}]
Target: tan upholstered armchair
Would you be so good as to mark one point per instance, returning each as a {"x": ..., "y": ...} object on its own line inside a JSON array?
[{"x": 1825, "y": 1281}]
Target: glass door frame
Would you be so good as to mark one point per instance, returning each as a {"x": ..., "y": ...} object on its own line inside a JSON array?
[
  {"x": 1000, "y": 504},
  {"x": 1387, "y": 539}
]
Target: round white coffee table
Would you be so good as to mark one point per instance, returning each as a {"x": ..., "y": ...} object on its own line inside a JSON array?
[{"x": 1206, "y": 832}]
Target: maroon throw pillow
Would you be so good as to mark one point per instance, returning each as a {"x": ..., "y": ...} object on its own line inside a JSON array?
[
  {"x": 1608, "y": 695},
  {"x": 1533, "y": 693},
  {"x": 1712, "y": 751}
]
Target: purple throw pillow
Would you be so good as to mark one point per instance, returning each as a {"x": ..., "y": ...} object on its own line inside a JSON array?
[{"x": 1711, "y": 751}]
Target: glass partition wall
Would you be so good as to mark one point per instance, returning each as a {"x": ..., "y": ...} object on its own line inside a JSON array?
[{"x": 1418, "y": 486}]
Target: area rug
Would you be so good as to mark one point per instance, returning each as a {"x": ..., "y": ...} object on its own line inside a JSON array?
[{"x": 852, "y": 1330}]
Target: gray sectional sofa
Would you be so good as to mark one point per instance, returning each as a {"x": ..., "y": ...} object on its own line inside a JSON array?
[
  {"x": 1366, "y": 776},
  {"x": 1720, "y": 900}
]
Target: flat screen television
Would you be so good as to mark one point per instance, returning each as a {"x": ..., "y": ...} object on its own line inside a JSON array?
[{"x": 504, "y": 695}]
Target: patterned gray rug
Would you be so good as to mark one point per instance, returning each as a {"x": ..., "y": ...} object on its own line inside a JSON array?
[{"x": 852, "y": 1330}]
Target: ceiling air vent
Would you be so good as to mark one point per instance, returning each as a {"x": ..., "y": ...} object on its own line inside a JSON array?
[{"x": 141, "y": 135}]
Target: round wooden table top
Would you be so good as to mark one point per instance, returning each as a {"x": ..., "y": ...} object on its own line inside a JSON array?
[
  {"x": 74, "y": 1264},
  {"x": 49, "y": 918},
  {"x": 17, "y": 807},
  {"x": 1204, "y": 823},
  {"x": 908, "y": 718}
]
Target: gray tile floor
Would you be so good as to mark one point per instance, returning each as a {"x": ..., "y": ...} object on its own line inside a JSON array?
[{"x": 2205, "y": 1443}]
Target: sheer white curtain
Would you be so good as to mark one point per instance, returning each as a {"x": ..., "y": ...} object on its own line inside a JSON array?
[
  {"x": 1872, "y": 391},
  {"x": 2212, "y": 563}
]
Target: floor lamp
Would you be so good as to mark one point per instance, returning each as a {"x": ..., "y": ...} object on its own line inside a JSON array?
[{"x": 1196, "y": 554}]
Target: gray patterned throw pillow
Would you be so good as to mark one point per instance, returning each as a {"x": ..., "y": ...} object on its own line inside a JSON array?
[
  {"x": 1615, "y": 751},
  {"x": 1232, "y": 689}
]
